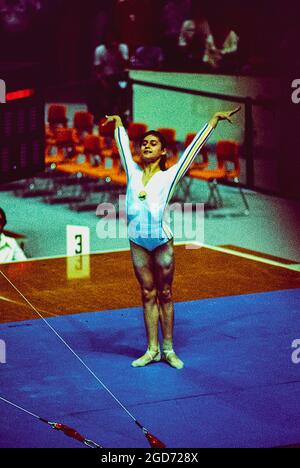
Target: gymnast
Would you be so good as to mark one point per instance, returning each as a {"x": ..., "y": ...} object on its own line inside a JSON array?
[{"x": 149, "y": 191}]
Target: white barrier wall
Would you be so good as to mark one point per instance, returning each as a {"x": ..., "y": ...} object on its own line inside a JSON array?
[
  {"x": 163, "y": 108},
  {"x": 187, "y": 113}
]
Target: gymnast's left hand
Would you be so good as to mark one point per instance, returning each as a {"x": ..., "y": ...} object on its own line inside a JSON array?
[
  {"x": 227, "y": 115},
  {"x": 113, "y": 118}
]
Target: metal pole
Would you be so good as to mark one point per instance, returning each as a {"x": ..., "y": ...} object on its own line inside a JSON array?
[{"x": 248, "y": 144}]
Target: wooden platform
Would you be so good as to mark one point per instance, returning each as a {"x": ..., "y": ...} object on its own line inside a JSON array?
[{"x": 111, "y": 284}]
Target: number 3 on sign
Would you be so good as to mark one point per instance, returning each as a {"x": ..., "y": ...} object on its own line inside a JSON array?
[
  {"x": 78, "y": 249},
  {"x": 78, "y": 240}
]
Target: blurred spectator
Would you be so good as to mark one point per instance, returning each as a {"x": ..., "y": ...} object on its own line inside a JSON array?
[
  {"x": 173, "y": 14},
  {"x": 149, "y": 57},
  {"x": 110, "y": 58},
  {"x": 110, "y": 61},
  {"x": 202, "y": 26},
  {"x": 221, "y": 48},
  {"x": 190, "y": 47},
  {"x": 9, "y": 249}
]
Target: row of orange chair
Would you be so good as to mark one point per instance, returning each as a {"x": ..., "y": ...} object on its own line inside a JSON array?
[
  {"x": 80, "y": 139},
  {"x": 228, "y": 167}
]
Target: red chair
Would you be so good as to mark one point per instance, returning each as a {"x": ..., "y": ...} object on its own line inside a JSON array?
[
  {"x": 135, "y": 131},
  {"x": 83, "y": 124},
  {"x": 228, "y": 168},
  {"x": 65, "y": 142},
  {"x": 169, "y": 134},
  {"x": 57, "y": 116},
  {"x": 92, "y": 149},
  {"x": 113, "y": 154},
  {"x": 201, "y": 160},
  {"x": 108, "y": 130},
  {"x": 106, "y": 133},
  {"x": 170, "y": 137}
]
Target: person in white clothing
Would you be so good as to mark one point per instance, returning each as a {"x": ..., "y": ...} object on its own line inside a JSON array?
[
  {"x": 109, "y": 59},
  {"x": 9, "y": 249},
  {"x": 216, "y": 54},
  {"x": 149, "y": 190}
]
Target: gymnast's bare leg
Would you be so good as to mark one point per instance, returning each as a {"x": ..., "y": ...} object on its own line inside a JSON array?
[
  {"x": 144, "y": 270},
  {"x": 164, "y": 271},
  {"x": 154, "y": 271}
]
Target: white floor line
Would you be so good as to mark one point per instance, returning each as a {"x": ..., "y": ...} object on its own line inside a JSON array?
[
  {"x": 249, "y": 256},
  {"x": 125, "y": 249},
  {"x": 294, "y": 267},
  {"x": 6, "y": 299},
  {"x": 230, "y": 252}
]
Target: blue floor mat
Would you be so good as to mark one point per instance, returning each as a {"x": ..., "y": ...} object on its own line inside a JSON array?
[{"x": 239, "y": 387}]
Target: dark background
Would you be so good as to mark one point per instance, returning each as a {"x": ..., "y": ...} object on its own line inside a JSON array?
[
  {"x": 60, "y": 37},
  {"x": 62, "y": 34}
]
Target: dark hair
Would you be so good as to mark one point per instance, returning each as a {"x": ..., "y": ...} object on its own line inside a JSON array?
[
  {"x": 163, "y": 142},
  {"x": 3, "y": 216}
]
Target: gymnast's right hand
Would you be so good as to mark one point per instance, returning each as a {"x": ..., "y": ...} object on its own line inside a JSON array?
[{"x": 113, "y": 118}]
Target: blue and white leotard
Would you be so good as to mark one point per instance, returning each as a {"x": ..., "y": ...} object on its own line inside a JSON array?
[{"x": 145, "y": 218}]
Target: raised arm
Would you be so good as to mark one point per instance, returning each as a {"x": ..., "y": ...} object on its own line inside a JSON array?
[
  {"x": 122, "y": 142},
  {"x": 223, "y": 116},
  {"x": 193, "y": 149}
]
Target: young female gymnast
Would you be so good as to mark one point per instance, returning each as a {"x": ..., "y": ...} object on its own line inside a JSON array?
[{"x": 151, "y": 242}]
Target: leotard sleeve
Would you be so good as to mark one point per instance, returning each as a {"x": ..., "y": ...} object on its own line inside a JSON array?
[
  {"x": 177, "y": 171},
  {"x": 123, "y": 145}
]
